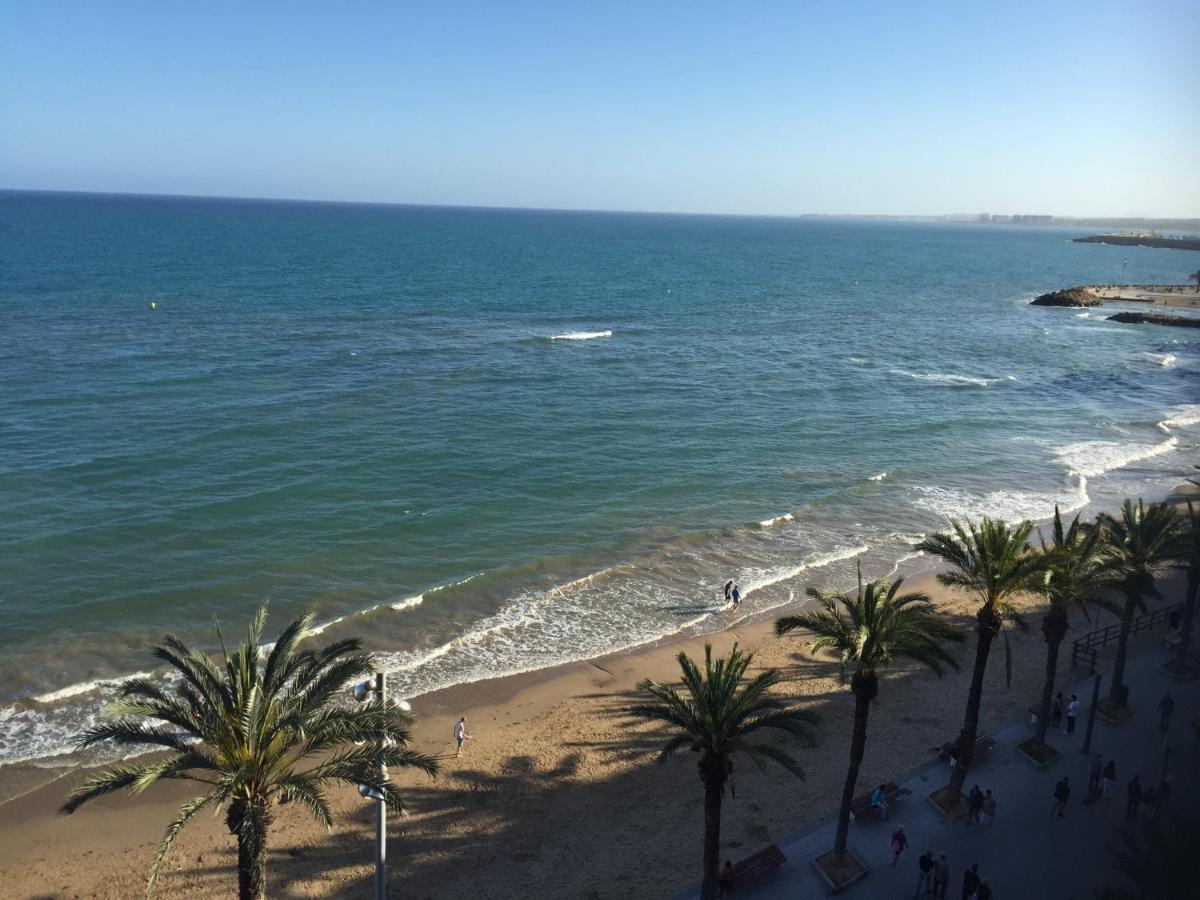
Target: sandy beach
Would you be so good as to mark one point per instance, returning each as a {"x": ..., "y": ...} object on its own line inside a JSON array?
[{"x": 557, "y": 795}]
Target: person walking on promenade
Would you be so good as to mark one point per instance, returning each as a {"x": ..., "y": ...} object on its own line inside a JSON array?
[
  {"x": 1062, "y": 793},
  {"x": 460, "y": 736},
  {"x": 899, "y": 843},
  {"x": 925, "y": 873},
  {"x": 1135, "y": 798},
  {"x": 1094, "y": 770},
  {"x": 985, "y": 890},
  {"x": 1072, "y": 712},
  {"x": 1056, "y": 710},
  {"x": 1109, "y": 777},
  {"x": 974, "y": 805},
  {"x": 987, "y": 815},
  {"x": 1166, "y": 708},
  {"x": 970, "y": 881},
  {"x": 941, "y": 876}
]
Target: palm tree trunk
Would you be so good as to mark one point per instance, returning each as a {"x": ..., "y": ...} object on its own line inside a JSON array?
[
  {"x": 1189, "y": 613},
  {"x": 986, "y": 629},
  {"x": 252, "y": 855},
  {"x": 1054, "y": 632},
  {"x": 714, "y": 784},
  {"x": 1117, "y": 694},
  {"x": 858, "y": 743}
]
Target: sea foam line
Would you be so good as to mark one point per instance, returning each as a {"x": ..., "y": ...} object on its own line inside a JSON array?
[
  {"x": 944, "y": 377},
  {"x": 1185, "y": 416},
  {"x": 580, "y": 335},
  {"x": 778, "y": 520}
]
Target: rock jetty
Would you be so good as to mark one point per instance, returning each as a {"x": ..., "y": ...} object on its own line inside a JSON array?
[
  {"x": 1137, "y": 318},
  {"x": 1076, "y": 296}
]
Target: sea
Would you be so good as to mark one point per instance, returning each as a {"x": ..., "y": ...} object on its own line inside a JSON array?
[{"x": 490, "y": 441}]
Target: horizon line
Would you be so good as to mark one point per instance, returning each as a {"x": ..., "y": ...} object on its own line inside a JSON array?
[{"x": 566, "y": 209}]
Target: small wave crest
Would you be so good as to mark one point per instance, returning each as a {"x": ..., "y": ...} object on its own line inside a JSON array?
[
  {"x": 879, "y": 477},
  {"x": 944, "y": 378},
  {"x": 580, "y": 335},
  {"x": 1166, "y": 360},
  {"x": 778, "y": 520},
  {"x": 1092, "y": 458},
  {"x": 1184, "y": 417},
  {"x": 1006, "y": 505}
]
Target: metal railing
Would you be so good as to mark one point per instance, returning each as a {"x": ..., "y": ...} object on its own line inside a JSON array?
[{"x": 1086, "y": 649}]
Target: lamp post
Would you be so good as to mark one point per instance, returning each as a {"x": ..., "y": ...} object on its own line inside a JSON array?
[{"x": 361, "y": 692}]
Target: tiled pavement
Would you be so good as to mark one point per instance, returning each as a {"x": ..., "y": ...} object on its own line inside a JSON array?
[{"x": 1026, "y": 853}]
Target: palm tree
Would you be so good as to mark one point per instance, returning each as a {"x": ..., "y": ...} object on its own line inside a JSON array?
[
  {"x": 992, "y": 562},
  {"x": 1195, "y": 276},
  {"x": 242, "y": 728},
  {"x": 1073, "y": 580},
  {"x": 1137, "y": 547},
  {"x": 870, "y": 631},
  {"x": 1188, "y": 557},
  {"x": 721, "y": 714}
]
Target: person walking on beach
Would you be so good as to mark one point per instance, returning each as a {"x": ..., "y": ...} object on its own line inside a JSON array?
[
  {"x": 970, "y": 882},
  {"x": 925, "y": 873},
  {"x": 1062, "y": 793},
  {"x": 899, "y": 844},
  {"x": 987, "y": 815},
  {"x": 728, "y": 591},
  {"x": 974, "y": 805},
  {"x": 737, "y": 596},
  {"x": 1072, "y": 712},
  {"x": 1094, "y": 771},
  {"x": 1108, "y": 777},
  {"x": 1135, "y": 798},
  {"x": 941, "y": 876},
  {"x": 460, "y": 736},
  {"x": 1166, "y": 708},
  {"x": 879, "y": 801},
  {"x": 1056, "y": 711}
]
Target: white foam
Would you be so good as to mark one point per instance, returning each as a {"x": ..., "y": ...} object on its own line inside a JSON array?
[
  {"x": 944, "y": 377},
  {"x": 858, "y": 361},
  {"x": 1092, "y": 458},
  {"x": 768, "y": 577},
  {"x": 84, "y": 687},
  {"x": 778, "y": 520},
  {"x": 1185, "y": 416},
  {"x": 1166, "y": 360},
  {"x": 879, "y": 477},
  {"x": 580, "y": 335},
  {"x": 1083, "y": 315},
  {"x": 1007, "y": 506},
  {"x": 408, "y": 602}
]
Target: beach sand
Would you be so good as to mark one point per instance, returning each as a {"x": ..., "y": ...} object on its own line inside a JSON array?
[{"x": 557, "y": 795}]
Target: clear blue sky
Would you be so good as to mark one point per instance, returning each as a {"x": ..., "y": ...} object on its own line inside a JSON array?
[{"x": 1081, "y": 108}]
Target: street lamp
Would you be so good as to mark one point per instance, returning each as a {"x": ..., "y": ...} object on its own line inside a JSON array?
[{"x": 362, "y": 692}]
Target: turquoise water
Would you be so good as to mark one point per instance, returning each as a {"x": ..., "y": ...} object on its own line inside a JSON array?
[{"x": 488, "y": 441}]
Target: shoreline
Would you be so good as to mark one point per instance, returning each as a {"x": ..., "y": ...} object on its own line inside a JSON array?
[{"x": 552, "y": 750}]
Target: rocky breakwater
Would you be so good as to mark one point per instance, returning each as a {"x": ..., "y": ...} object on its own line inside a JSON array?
[
  {"x": 1138, "y": 318},
  {"x": 1076, "y": 296}
]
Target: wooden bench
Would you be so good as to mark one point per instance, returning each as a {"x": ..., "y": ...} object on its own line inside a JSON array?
[
  {"x": 983, "y": 743},
  {"x": 760, "y": 865},
  {"x": 862, "y": 804}
]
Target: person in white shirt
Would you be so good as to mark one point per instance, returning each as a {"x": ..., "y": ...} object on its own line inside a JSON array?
[
  {"x": 460, "y": 735},
  {"x": 1072, "y": 712}
]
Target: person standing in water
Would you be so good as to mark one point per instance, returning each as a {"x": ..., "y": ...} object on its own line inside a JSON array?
[
  {"x": 729, "y": 592},
  {"x": 737, "y": 596}
]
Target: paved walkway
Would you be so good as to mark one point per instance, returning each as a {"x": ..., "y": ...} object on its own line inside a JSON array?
[{"x": 1026, "y": 853}]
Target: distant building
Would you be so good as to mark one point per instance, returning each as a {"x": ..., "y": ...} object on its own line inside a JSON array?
[
  {"x": 985, "y": 217},
  {"x": 1001, "y": 220},
  {"x": 1032, "y": 220}
]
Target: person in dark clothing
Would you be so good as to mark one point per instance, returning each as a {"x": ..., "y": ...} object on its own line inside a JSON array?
[
  {"x": 725, "y": 879},
  {"x": 1166, "y": 708},
  {"x": 925, "y": 875},
  {"x": 974, "y": 805},
  {"x": 970, "y": 881},
  {"x": 1056, "y": 711},
  {"x": 941, "y": 876},
  {"x": 1135, "y": 798},
  {"x": 1062, "y": 793},
  {"x": 1097, "y": 766},
  {"x": 985, "y": 890}
]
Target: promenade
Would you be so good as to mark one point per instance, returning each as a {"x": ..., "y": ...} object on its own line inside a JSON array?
[{"x": 1026, "y": 853}]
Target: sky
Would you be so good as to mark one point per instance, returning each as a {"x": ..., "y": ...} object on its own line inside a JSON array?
[{"x": 1064, "y": 108}]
